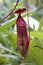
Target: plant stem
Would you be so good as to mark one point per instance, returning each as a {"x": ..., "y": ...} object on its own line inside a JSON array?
[
  {"x": 28, "y": 18},
  {"x": 19, "y": 62},
  {"x": 10, "y": 11}
]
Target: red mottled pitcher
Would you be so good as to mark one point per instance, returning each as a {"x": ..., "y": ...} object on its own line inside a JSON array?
[{"x": 22, "y": 38}]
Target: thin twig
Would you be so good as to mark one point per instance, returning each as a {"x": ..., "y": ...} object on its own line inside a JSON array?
[
  {"x": 28, "y": 17},
  {"x": 10, "y": 11}
]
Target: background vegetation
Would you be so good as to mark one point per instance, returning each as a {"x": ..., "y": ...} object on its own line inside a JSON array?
[{"x": 8, "y": 38}]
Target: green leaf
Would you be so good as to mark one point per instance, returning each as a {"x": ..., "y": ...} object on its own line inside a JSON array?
[
  {"x": 3, "y": 40},
  {"x": 35, "y": 54},
  {"x": 40, "y": 25},
  {"x": 12, "y": 39},
  {"x": 7, "y": 24},
  {"x": 9, "y": 56},
  {"x": 12, "y": 21},
  {"x": 7, "y": 49},
  {"x": 38, "y": 35}
]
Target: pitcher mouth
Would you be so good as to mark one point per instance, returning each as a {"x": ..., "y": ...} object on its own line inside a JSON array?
[{"x": 19, "y": 11}]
